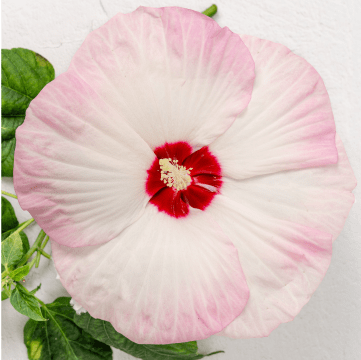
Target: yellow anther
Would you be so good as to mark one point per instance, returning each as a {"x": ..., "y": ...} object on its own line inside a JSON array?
[{"x": 174, "y": 175}]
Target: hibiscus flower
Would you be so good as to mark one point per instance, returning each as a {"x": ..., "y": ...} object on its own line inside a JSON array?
[{"x": 191, "y": 179}]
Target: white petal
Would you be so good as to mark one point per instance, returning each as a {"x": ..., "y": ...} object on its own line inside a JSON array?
[
  {"x": 283, "y": 225},
  {"x": 320, "y": 198},
  {"x": 79, "y": 170},
  {"x": 173, "y": 74},
  {"x": 77, "y": 307},
  {"x": 283, "y": 262},
  {"x": 162, "y": 280},
  {"x": 287, "y": 125}
]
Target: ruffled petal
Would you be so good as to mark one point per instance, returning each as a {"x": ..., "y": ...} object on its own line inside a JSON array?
[
  {"x": 320, "y": 198},
  {"x": 173, "y": 74},
  {"x": 283, "y": 226},
  {"x": 283, "y": 263},
  {"x": 287, "y": 125},
  {"x": 162, "y": 280},
  {"x": 79, "y": 169}
]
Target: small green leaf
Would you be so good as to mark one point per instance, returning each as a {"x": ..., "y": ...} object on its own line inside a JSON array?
[
  {"x": 35, "y": 290},
  {"x": 105, "y": 332},
  {"x": 8, "y": 217},
  {"x": 26, "y": 303},
  {"x": 4, "y": 295},
  {"x": 11, "y": 250},
  {"x": 20, "y": 272},
  {"x": 23, "y": 74},
  {"x": 24, "y": 238},
  {"x": 211, "y": 11},
  {"x": 59, "y": 338}
]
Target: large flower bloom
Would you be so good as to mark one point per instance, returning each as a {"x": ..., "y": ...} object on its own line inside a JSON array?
[{"x": 190, "y": 179}]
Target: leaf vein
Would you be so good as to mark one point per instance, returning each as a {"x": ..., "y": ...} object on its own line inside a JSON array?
[
  {"x": 61, "y": 331},
  {"x": 17, "y": 92}
]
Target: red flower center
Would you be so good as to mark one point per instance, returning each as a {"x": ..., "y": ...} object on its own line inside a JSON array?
[{"x": 179, "y": 178}]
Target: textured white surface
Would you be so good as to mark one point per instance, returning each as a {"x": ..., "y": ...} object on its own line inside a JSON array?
[{"x": 325, "y": 32}]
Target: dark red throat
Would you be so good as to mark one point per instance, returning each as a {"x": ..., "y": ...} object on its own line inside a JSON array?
[{"x": 205, "y": 173}]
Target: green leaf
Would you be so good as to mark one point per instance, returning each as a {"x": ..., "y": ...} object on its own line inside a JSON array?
[
  {"x": 20, "y": 272},
  {"x": 9, "y": 124},
  {"x": 211, "y": 11},
  {"x": 26, "y": 303},
  {"x": 105, "y": 332},
  {"x": 11, "y": 250},
  {"x": 24, "y": 238},
  {"x": 59, "y": 338},
  {"x": 35, "y": 290},
  {"x": 8, "y": 217},
  {"x": 23, "y": 74},
  {"x": 7, "y": 157},
  {"x": 4, "y": 295},
  {"x": 9, "y": 220}
]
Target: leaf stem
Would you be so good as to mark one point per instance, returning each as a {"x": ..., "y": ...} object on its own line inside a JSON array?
[
  {"x": 42, "y": 252},
  {"x": 6, "y": 271},
  {"x": 31, "y": 264},
  {"x": 34, "y": 248},
  {"x": 215, "y": 352},
  {"x": 211, "y": 11},
  {"x": 23, "y": 226},
  {"x": 40, "y": 302},
  {"x": 8, "y": 194},
  {"x": 22, "y": 223},
  {"x": 44, "y": 244},
  {"x": 37, "y": 258},
  {"x": 7, "y": 290}
]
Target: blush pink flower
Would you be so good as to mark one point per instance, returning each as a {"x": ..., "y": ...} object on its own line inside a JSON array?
[{"x": 191, "y": 179}]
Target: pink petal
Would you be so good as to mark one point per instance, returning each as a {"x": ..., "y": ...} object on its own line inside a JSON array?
[
  {"x": 162, "y": 280},
  {"x": 79, "y": 169},
  {"x": 283, "y": 263},
  {"x": 320, "y": 198},
  {"x": 283, "y": 225},
  {"x": 288, "y": 123},
  {"x": 173, "y": 74}
]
